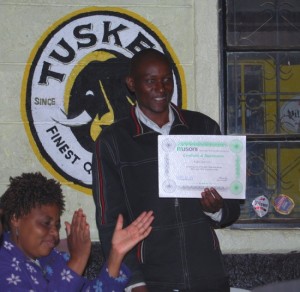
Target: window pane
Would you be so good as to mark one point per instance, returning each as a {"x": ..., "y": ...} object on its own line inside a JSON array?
[
  {"x": 263, "y": 23},
  {"x": 263, "y": 93},
  {"x": 272, "y": 169}
]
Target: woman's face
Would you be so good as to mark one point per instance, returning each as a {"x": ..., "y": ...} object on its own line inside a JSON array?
[{"x": 38, "y": 231}]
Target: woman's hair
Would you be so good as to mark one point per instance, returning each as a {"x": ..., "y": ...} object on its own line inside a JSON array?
[{"x": 28, "y": 191}]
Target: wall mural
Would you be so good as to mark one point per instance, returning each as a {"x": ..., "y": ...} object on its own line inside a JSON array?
[{"x": 73, "y": 86}]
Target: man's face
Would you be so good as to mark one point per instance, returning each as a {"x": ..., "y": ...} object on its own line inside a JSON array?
[
  {"x": 38, "y": 231},
  {"x": 153, "y": 86}
]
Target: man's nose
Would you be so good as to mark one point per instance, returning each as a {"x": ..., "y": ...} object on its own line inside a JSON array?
[{"x": 161, "y": 86}]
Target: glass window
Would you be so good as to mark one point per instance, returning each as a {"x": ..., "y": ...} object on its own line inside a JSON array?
[
  {"x": 263, "y": 23},
  {"x": 263, "y": 93},
  {"x": 261, "y": 73}
]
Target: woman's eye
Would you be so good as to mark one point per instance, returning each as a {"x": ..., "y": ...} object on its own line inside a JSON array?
[{"x": 46, "y": 223}]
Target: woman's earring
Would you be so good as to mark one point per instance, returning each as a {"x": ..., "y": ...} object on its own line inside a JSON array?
[{"x": 17, "y": 232}]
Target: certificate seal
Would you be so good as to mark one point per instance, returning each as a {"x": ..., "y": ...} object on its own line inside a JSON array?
[
  {"x": 236, "y": 188},
  {"x": 168, "y": 145},
  {"x": 169, "y": 186},
  {"x": 236, "y": 146}
]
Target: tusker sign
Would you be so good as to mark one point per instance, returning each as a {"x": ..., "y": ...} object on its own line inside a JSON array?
[{"x": 73, "y": 86}]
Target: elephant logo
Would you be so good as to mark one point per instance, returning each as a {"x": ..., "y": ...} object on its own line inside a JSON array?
[{"x": 97, "y": 96}]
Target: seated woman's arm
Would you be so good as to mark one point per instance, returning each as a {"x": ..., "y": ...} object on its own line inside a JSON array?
[
  {"x": 79, "y": 242},
  {"x": 125, "y": 239},
  {"x": 114, "y": 274}
]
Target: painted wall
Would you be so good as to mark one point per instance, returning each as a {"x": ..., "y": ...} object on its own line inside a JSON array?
[{"x": 191, "y": 28}]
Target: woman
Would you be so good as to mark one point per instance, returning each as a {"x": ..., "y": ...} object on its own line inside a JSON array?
[{"x": 32, "y": 206}]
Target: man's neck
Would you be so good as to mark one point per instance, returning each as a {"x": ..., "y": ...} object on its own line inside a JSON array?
[
  {"x": 163, "y": 128},
  {"x": 160, "y": 119}
]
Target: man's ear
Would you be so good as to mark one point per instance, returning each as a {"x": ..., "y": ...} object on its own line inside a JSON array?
[{"x": 130, "y": 83}]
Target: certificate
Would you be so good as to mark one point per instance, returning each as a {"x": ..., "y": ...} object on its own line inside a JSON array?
[{"x": 189, "y": 163}]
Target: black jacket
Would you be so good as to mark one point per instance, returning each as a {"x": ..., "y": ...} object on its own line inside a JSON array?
[{"x": 182, "y": 250}]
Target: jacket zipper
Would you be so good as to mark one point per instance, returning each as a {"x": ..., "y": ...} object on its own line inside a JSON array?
[{"x": 181, "y": 236}]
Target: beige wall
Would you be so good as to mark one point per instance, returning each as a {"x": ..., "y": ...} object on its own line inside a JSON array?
[{"x": 190, "y": 27}]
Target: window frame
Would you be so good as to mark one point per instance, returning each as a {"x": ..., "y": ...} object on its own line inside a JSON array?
[{"x": 256, "y": 223}]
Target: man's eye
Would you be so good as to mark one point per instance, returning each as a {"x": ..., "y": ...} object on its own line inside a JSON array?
[
  {"x": 168, "y": 80},
  {"x": 149, "y": 81}
]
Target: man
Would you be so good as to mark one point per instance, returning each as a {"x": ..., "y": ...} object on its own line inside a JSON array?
[{"x": 182, "y": 253}]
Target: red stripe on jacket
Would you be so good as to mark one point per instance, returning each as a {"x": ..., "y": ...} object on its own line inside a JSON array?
[{"x": 100, "y": 179}]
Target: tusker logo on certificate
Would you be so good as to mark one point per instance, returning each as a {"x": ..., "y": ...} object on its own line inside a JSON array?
[
  {"x": 73, "y": 86},
  {"x": 190, "y": 163}
]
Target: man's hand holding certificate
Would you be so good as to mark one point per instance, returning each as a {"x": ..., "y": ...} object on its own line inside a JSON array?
[{"x": 190, "y": 163}]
